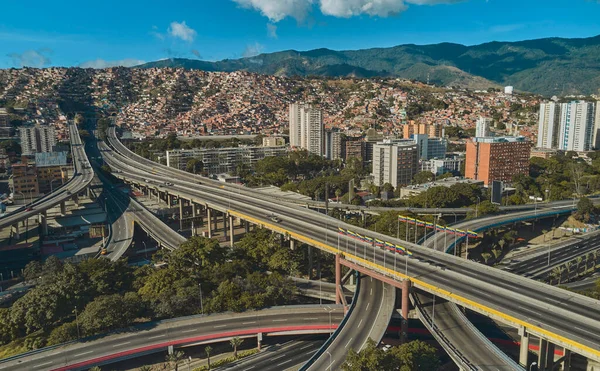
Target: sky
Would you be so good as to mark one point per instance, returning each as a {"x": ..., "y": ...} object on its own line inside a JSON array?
[{"x": 42, "y": 33}]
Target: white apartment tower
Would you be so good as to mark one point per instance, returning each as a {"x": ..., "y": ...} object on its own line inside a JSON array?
[
  {"x": 482, "y": 129},
  {"x": 548, "y": 125},
  {"x": 596, "y": 131},
  {"x": 576, "y": 126},
  {"x": 306, "y": 128},
  {"x": 37, "y": 139},
  {"x": 296, "y": 124},
  {"x": 395, "y": 162}
]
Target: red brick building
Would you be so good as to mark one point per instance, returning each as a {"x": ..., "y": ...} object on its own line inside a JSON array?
[{"x": 497, "y": 158}]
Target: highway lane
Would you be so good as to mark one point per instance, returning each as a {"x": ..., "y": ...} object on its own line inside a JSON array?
[
  {"x": 81, "y": 178},
  {"x": 288, "y": 356},
  {"x": 191, "y": 330},
  {"x": 514, "y": 300}
]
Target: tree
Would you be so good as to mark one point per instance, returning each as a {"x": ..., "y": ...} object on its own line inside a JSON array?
[
  {"x": 175, "y": 358},
  {"x": 416, "y": 355},
  {"x": 194, "y": 166},
  {"x": 235, "y": 343},
  {"x": 423, "y": 177},
  {"x": 106, "y": 169},
  {"x": 63, "y": 333},
  {"x": 585, "y": 207},
  {"x": 32, "y": 271},
  {"x": 109, "y": 312},
  {"x": 208, "y": 350},
  {"x": 413, "y": 356}
]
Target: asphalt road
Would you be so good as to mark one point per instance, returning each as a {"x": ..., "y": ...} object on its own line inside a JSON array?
[
  {"x": 516, "y": 299},
  {"x": 178, "y": 332}
]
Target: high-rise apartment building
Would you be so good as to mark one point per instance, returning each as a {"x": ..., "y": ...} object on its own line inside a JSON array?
[
  {"x": 548, "y": 125},
  {"x": 306, "y": 128},
  {"x": 296, "y": 124},
  {"x": 497, "y": 158},
  {"x": 37, "y": 139},
  {"x": 273, "y": 141},
  {"x": 355, "y": 148},
  {"x": 395, "y": 162},
  {"x": 433, "y": 130},
  {"x": 596, "y": 131},
  {"x": 6, "y": 130},
  {"x": 482, "y": 128},
  {"x": 335, "y": 145},
  {"x": 576, "y": 126},
  {"x": 430, "y": 148}
]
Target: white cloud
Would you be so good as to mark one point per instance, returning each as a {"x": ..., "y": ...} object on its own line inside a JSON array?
[
  {"x": 252, "y": 50},
  {"x": 101, "y": 63},
  {"x": 31, "y": 58},
  {"x": 276, "y": 10},
  {"x": 182, "y": 31},
  {"x": 272, "y": 30}
]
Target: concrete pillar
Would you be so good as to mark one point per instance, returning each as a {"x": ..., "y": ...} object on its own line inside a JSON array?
[
  {"x": 224, "y": 225},
  {"x": 524, "y": 350},
  {"x": 405, "y": 307},
  {"x": 63, "y": 208},
  {"x": 88, "y": 192},
  {"x": 44, "y": 223},
  {"x": 17, "y": 234},
  {"x": 76, "y": 199},
  {"x": 247, "y": 226},
  {"x": 310, "y": 261},
  {"x": 542, "y": 354},
  {"x": 259, "y": 337},
  {"x": 208, "y": 212},
  {"x": 567, "y": 364},
  {"x": 231, "y": 231},
  {"x": 338, "y": 279},
  {"x": 292, "y": 244},
  {"x": 180, "y": 214},
  {"x": 550, "y": 356},
  {"x": 194, "y": 209}
]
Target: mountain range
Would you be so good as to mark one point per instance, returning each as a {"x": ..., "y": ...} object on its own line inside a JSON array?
[{"x": 551, "y": 66}]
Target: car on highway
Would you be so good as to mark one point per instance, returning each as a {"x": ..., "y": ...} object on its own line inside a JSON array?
[
  {"x": 168, "y": 184},
  {"x": 274, "y": 218},
  {"x": 29, "y": 209}
]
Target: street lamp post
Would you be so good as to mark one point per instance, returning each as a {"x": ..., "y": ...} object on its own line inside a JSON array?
[
  {"x": 201, "y": 305},
  {"x": 77, "y": 322},
  {"x": 531, "y": 366},
  {"x": 477, "y": 207}
]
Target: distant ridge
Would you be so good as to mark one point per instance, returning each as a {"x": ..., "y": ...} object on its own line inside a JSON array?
[{"x": 551, "y": 66}]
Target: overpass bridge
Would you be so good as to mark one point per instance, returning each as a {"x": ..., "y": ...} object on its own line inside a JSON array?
[{"x": 563, "y": 318}]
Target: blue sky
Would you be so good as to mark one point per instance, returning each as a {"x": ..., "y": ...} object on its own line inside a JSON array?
[{"x": 71, "y": 33}]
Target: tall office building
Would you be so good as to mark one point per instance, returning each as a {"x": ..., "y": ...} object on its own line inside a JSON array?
[
  {"x": 430, "y": 148},
  {"x": 37, "y": 139},
  {"x": 596, "y": 131},
  {"x": 335, "y": 145},
  {"x": 395, "y": 162},
  {"x": 296, "y": 124},
  {"x": 497, "y": 158},
  {"x": 576, "y": 126},
  {"x": 482, "y": 128},
  {"x": 548, "y": 125}
]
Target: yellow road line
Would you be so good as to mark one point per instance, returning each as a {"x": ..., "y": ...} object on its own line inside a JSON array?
[{"x": 435, "y": 289}]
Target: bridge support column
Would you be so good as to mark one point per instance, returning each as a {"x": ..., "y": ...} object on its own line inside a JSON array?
[
  {"x": 88, "y": 192},
  {"x": 542, "y": 354},
  {"x": 180, "y": 214},
  {"x": 292, "y": 245},
  {"x": 76, "y": 199},
  {"x": 63, "y": 208},
  {"x": 338, "y": 279},
  {"x": 406, "y": 284},
  {"x": 209, "y": 224},
  {"x": 310, "y": 262},
  {"x": 247, "y": 226},
  {"x": 231, "y": 230},
  {"x": 17, "y": 234},
  {"x": 259, "y": 337},
  {"x": 194, "y": 209},
  {"x": 224, "y": 225},
  {"x": 43, "y": 220},
  {"x": 550, "y": 356},
  {"x": 524, "y": 350}
]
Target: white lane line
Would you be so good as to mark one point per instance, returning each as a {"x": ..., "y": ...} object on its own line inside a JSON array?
[
  {"x": 248, "y": 323},
  {"x": 121, "y": 344},
  {"x": 367, "y": 308},
  {"x": 283, "y": 355},
  {"x": 249, "y": 368},
  {"x": 306, "y": 346},
  {"x": 348, "y": 343},
  {"x": 283, "y": 363},
  {"x": 82, "y": 354},
  {"x": 219, "y": 326},
  {"x": 359, "y": 323},
  {"x": 186, "y": 331},
  {"x": 157, "y": 336},
  {"x": 371, "y": 291},
  {"x": 311, "y": 319},
  {"x": 330, "y": 364},
  {"x": 280, "y": 320},
  {"x": 43, "y": 364},
  {"x": 311, "y": 352}
]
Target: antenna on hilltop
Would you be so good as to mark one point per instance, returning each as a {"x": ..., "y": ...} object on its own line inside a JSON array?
[{"x": 427, "y": 78}]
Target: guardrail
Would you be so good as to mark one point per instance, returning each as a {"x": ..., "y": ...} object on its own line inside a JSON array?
[{"x": 335, "y": 334}]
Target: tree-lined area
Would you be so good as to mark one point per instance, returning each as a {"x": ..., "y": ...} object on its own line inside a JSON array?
[
  {"x": 97, "y": 296},
  {"x": 413, "y": 356}
]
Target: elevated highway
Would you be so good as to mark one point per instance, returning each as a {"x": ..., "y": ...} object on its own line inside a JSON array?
[
  {"x": 82, "y": 176},
  {"x": 146, "y": 339},
  {"x": 564, "y": 318}
]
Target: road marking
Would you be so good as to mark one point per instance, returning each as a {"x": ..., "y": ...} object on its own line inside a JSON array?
[
  {"x": 367, "y": 308},
  {"x": 247, "y": 323},
  {"x": 309, "y": 353},
  {"x": 359, "y": 323},
  {"x": 311, "y": 319},
  {"x": 280, "y": 320},
  {"x": 186, "y": 331},
  {"x": 371, "y": 291},
  {"x": 330, "y": 364},
  {"x": 283, "y": 355},
  {"x": 118, "y": 345},
  {"x": 219, "y": 326},
  {"x": 348, "y": 343},
  {"x": 43, "y": 364},
  {"x": 249, "y": 368},
  {"x": 283, "y": 363},
  {"x": 82, "y": 354},
  {"x": 157, "y": 336},
  {"x": 306, "y": 346}
]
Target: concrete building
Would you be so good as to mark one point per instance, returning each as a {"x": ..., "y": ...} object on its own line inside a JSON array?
[
  {"x": 509, "y": 90},
  {"x": 40, "y": 138},
  {"x": 576, "y": 126},
  {"x": 372, "y": 137},
  {"x": 273, "y": 141},
  {"x": 439, "y": 166},
  {"x": 548, "y": 125},
  {"x": 222, "y": 160},
  {"x": 415, "y": 190},
  {"x": 335, "y": 145},
  {"x": 432, "y": 130},
  {"x": 544, "y": 153},
  {"x": 355, "y": 148},
  {"x": 482, "y": 128},
  {"x": 6, "y": 129},
  {"x": 497, "y": 158},
  {"x": 312, "y": 138},
  {"x": 395, "y": 162},
  {"x": 430, "y": 148},
  {"x": 25, "y": 181},
  {"x": 296, "y": 125},
  {"x": 596, "y": 131},
  {"x": 51, "y": 169}
]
